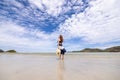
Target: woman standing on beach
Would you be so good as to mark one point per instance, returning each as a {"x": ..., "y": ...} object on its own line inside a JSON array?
[{"x": 60, "y": 47}]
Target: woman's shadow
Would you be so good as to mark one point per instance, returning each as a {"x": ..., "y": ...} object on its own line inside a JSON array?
[{"x": 60, "y": 70}]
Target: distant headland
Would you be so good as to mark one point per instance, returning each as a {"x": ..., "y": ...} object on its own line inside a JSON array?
[
  {"x": 10, "y": 51},
  {"x": 111, "y": 49}
]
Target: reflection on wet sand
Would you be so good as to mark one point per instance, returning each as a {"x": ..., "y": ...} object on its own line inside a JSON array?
[
  {"x": 87, "y": 66},
  {"x": 60, "y": 70}
]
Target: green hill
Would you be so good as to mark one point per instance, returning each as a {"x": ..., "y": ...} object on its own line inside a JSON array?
[
  {"x": 1, "y": 50},
  {"x": 111, "y": 49},
  {"x": 11, "y": 51},
  {"x": 91, "y": 50}
]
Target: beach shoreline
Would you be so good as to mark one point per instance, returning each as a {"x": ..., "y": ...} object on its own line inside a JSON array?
[{"x": 86, "y": 66}]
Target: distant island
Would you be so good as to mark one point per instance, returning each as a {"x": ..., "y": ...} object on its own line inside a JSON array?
[
  {"x": 1, "y": 50},
  {"x": 111, "y": 49},
  {"x": 10, "y": 51}
]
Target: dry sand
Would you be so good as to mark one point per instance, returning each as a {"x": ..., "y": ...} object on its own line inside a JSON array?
[{"x": 48, "y": 67}]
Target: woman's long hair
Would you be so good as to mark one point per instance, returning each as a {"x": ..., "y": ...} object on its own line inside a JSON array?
[{"x": 61, "y": 38}]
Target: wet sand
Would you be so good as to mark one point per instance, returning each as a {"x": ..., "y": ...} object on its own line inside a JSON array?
[{"x": 85, "y": 66}]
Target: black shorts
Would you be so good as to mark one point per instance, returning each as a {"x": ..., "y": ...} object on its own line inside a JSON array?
[{"x": 62, "y": 52}]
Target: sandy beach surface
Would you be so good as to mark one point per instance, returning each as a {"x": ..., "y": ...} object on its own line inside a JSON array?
[{"x": 81, "y": 66}]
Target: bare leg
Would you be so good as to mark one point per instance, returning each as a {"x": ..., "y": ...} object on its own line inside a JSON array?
[
  {"x": 62, "y": 57},
  {"x": 59, "y": 56}
]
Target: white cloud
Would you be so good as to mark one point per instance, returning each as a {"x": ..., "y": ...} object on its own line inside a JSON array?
[
  {"x": 52, "y": 7},
  {"x": 98, "y": 24},
  {"x": 37, "y": 3},
  {"x": 58, "y": 7},
  {"x": 12, "y": 35},
  {"x": 8, "y": 2}
]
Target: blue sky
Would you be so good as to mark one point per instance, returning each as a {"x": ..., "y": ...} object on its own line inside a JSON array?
[{"x": 34, "y": 25}]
